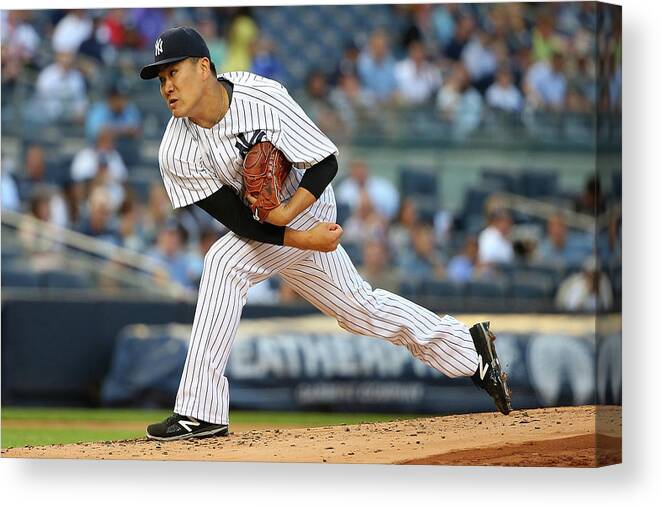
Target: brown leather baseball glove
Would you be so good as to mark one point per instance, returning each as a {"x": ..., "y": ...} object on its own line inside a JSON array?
[{"x": 265, "y": 169}]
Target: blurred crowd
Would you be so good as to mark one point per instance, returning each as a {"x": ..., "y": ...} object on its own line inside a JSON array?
[
  {"x": 463, "y": 62},
  {"x": 394, "y": 244},
  {"x": 466, "y": 61}
]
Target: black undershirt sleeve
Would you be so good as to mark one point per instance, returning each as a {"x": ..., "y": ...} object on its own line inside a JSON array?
[
  {"x": 316, "y": 178},
  {"x": 227, "y": 207}
]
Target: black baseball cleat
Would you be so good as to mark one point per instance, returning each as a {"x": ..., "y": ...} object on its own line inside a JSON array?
[
  {"x": 178, "y": 427},
  {"x": 489, "y": 376}
]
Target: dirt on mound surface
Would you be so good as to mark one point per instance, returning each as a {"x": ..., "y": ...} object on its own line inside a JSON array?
[{"x": 542, "y": 437}]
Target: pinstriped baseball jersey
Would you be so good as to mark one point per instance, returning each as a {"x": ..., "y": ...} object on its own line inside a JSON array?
[{"x": 195, "y": 161}]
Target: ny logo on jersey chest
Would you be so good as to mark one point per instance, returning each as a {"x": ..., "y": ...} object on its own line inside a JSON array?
[{"x": 243, "y": 144}]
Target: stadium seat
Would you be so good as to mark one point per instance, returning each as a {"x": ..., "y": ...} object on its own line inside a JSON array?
[
  {"x": 527, "y": 285},
  {"x": 409, "y": 289},
  {"x": 19, "y": 278},
  {"x": 441, "y": 288},
  {"x": 486, "y": 289},
  {"x": 418, "y": 182},
  {"x": 500, "y": 180},
  {"x": 65, "y": 280},
  {"x": 535, "y": 183}
]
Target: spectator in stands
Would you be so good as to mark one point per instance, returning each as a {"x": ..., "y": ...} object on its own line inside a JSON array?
[
  {"x": 518, "y": 34},
  {"x": 376, "y": 67},
  {"x": 317, "y": 105},
  {"x": 348, "y": 64},
  {"x": 382, "y": 193},
  {"x": 545, "y": 40},
  {"x": 242, "y": 35},
  {"x": 365, "y": 222},
  {"x": 10, "y": 197},
  {"x": 35, "y": 175},
  {"x": 466, "y": 265},
  {"x": 546, "y": 84},
  {"x": 96, "y": 49},
  {"x": 376, "y": 268},
  {"x": 401, "y": 231},
  {"x": 265, "y": 62},
  {"x": 20, "y": 43},
  {"x": 115, "y": 27},
  {"x": 196, "y": 258},
  {"x": 591, "y": 201},
  {"x": 71, "y": 31},
  {"x": 459, "y": 103},
  {"x": 170, "y": 253},
  {"x": 462, "y": 34},
  {"x": 587, "y": 291},
  {"x": 479, "y": 59},
  {"x": 419, "y": 26},
  {"x": 502, "y": 95},
  {"x": 121, "y": 118},
  {"x": 42, "y": 251},
  {"x": 494, "y": 242},
  {"x": 130, "y": 224},
  {"x": 353, "y": 103},
  {"x": 560, "y": 247},
  {"x": 157, "y": 213},
  {"x": 34, "y": 171},
  {"x": 417, "y": 79},
  {"x": 583, "y": 80},
  {"x": 98, "y": 221},
  {"x": 60, "y": 93},
  {"x": 443, "y": 18},
  {"x": 149, "y": 23},
  {"x": 208, "y": 29},
  {"x": 609, "y": 239},
  {"x": 101, "y": 165},
  {"x": 422, "y": 261}
]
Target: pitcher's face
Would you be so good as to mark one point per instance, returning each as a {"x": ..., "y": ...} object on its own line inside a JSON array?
[{"x": 181, "y": 86}]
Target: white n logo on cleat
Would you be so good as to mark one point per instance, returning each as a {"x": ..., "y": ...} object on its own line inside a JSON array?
[
  {"x": 482, "y": 368},
  {"x": 187, "y": 424}
]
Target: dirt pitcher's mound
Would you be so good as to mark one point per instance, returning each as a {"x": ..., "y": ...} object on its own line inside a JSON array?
[{"x": 543, "y": 437}]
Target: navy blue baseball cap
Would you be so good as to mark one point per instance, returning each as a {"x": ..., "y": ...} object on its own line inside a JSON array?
[{"x": 174, "y": 45}]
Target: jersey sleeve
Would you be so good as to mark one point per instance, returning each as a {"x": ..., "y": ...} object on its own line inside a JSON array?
[
  {"x": 302, "y": 142},
  {"x": 186, "y": 181}
]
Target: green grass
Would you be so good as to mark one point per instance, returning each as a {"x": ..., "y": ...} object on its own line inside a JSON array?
[{"x": 16, "y": 436}]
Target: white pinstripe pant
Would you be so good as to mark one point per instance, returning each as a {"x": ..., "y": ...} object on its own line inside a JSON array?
[{"x": 327, "y": 280}]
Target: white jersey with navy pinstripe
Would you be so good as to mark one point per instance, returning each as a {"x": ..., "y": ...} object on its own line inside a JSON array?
[{"x": 195, "y": 162}]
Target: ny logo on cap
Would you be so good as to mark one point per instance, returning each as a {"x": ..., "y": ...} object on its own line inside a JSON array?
[{"x": 158, "y": 47}]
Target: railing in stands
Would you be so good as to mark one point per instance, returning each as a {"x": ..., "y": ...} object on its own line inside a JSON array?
[{"x": 86, "y": 253}]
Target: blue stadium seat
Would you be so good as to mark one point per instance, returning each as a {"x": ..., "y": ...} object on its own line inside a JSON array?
[
  {"x": 528, "y": 286},
  {"x": 141, "y": 188},
  {"x": 486, "y": 289},
  {"x": 535, "y": 183},
  {"x": 441, "y": 288},
  {"x": 19, "y": 278},
  {"x": 414, "y": 181},
  {"x": 500, "y": 180},
  {"x": 65, "y": 280},
  {"x": 410, "y": 289}
]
